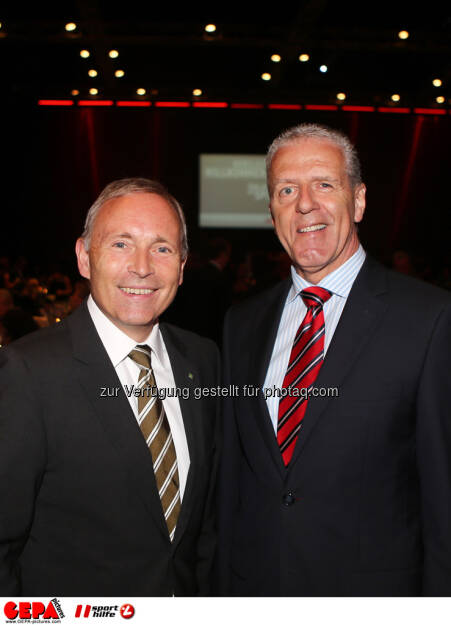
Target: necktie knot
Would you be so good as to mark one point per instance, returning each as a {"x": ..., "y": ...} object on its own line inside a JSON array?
[
  {"x": 315, "y": 296},
  {"x": 141, "y": 355}
]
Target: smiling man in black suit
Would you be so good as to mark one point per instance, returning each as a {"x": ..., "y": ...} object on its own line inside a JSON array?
[
  {"x": 335, "y": 477},
  {"x": 107, "y": 460}
]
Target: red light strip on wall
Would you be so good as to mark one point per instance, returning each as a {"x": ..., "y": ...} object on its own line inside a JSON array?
[
  {"x": 348, "y": 107},
  {"x": 285, "y": 107},
  {"x": 321, "y": 107},
  {"x": 246, "y": 106},
  {"x": 132, "y": 103},
  {"x": 210, "y": 105},
  {"x": 179, "y": 105},
  {"x": 429, "y": 111},
  {"x": 390, "y": 109},
  {"x": 95, "y": 102},
  {"x": 55, "y": 102}
]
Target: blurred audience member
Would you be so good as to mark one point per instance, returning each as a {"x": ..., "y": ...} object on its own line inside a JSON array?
[
  {"x": 31, "y": 298},
  {"x": 59, "y": 285},
  {"x": 4, "y": 268},
  {"x": 14, "y": 324},
  {"x": 81, "y": 291},
  {"x": 206, "y": 294},
  {"x": 402, "y": 263},
  {"x": 6, "y": 302},
  {"x": 244, "y": 279}
]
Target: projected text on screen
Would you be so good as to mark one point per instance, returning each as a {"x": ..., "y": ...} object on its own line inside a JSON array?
[{"x": 233, "y": 191}]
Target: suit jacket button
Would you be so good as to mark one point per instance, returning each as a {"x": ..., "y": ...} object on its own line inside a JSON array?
[{"x": 288, "y": 499}]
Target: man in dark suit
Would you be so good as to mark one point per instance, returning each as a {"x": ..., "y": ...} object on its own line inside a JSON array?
[
  {"x": 208, "y": 285},
  {"x": 107, "y": 457},
  {"x": 335, "y": 476}
]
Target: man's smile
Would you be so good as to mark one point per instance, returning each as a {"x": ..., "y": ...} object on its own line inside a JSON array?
[
  {"x": 311, "y": 228},
  {"x": 133, "y": 291}
]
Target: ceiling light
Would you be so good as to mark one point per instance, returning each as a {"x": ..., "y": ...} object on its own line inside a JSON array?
[
  {"x": 396, "y": 97},
  {"x": 84, "y": 54},
  {"x": 341, "y": 96},
  {"x": 75, "y": 92},
  {"x": 70, "y": 26},
  {"x": 276, "y": 58},
  {"x": 141, "y": 91},
  {"x": 210, "y": 28},
  {"x": 92, "y": 73},
  {"x": 1, "y": 24},
  {"x": 323, "y": 68},
  {"x": 93, "y": 91},
  {"x": 266, "y": 76},
  {"x": 437, "y": 82},
  {"x": 304, "y": 58},
  {"x": 197, "y": 91},
  {"x": 403, "y": 34},
  {"x": 440, "y": 99},
  {"x": 113, "y": 54},
  {"x": 119, "y": 73}
]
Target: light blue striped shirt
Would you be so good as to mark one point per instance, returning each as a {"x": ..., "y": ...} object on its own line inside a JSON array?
[{"x": 339, "y": 283}]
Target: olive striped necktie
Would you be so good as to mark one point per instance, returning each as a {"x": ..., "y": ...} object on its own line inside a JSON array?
[{"x": 154, "y": 425}]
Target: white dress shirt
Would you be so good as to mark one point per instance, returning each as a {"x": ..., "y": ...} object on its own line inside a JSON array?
[
  {"x": 118, "y": 346},
  {"x": 339, "y": 283}
]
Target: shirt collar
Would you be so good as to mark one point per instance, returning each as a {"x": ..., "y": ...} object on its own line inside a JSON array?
[
  {"x": 338, "y": 282},
  {"x": 117, "y": 344}
]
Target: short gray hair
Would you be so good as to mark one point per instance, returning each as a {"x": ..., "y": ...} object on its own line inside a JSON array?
[
  {"x": 318, "y": 131},
  {"x": 125, "y": 186}
]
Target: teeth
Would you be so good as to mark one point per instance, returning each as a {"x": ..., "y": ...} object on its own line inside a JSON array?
[
  {"x": 136, "y": 291},
  {"x": 312, "y": 228}
]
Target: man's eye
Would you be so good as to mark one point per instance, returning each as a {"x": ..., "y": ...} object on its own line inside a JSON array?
[
  {"x": 287, "y": 191},
  {"x": 162, "y": 249},
  {"x": 119, "y": 244},
  {"x": 326, "y": 185}
]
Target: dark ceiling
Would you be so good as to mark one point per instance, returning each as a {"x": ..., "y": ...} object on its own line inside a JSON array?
[{"x": 165, "y": 50}]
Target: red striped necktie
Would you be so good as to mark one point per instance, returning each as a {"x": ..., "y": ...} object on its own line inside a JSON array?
[{"x": 306, "y": 358}]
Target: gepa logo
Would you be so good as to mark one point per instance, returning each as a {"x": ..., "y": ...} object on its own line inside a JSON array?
[{"x": 36, "y": 610}]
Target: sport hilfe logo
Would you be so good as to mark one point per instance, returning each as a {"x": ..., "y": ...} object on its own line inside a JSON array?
[
  {"x": 87, "y": 611},
  {"x": 127, "y": 610},
  {"x": 33, "y": 610}
]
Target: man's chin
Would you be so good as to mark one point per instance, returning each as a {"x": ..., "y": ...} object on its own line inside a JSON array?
[
  {"x": 311, "y": 263},
  {"x": 136, "y": 328}
]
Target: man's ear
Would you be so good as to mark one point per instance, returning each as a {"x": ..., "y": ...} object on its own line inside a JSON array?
[
  {"x": 270, "y": 212},
  {"x": 82, "y": 259},
  {"x": 359, "y": 202},
  {"x": 182, "y": 266}
]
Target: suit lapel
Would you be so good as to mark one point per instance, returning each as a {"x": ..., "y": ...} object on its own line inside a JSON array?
[
  {"x": 265, "y": 332},
  {"x": 362, "y": 313},
  {"x": 94, "y": 371},
  {"x": 186, "y": 375}
]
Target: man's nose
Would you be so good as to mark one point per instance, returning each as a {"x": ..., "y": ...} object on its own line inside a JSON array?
[
  {"x": 306, "y": 201},
  {"x": 141, "y": 263}
]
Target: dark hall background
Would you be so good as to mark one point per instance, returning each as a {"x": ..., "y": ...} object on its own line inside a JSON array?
[
  {"x": 382, "y": 75},
  {"x": 56, "y": 160}
]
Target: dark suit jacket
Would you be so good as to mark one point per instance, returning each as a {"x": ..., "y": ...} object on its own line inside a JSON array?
[
  {"x": 80, "y": 512},
  {"x": 364, "y": 508}
]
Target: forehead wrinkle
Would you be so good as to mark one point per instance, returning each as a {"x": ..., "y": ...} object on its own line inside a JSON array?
[{"x": 156, "y": 238}]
